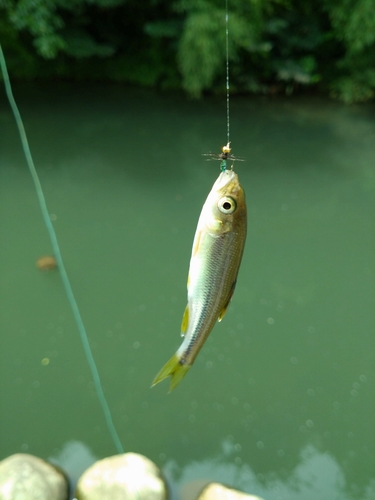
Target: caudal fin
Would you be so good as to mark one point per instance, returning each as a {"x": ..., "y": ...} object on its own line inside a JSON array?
[{"x": 173, "y": 368}]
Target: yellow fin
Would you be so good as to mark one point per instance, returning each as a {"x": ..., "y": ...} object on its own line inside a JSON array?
[
  {"x": 224, "y": 310},
  {"x": 222, "y": 314},
  {"x": 196, "y": 243},
  {"x": 172, "y": 368},
  {"x": 185, "y": 321}
]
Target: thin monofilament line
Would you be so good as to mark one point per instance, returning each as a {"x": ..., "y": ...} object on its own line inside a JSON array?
[
  {"x": 227, "y": 59},
  {"x": 60, "y": 263}
]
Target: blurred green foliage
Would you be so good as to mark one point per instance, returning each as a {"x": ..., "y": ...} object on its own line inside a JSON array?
[{"x": 274, "y": 45}]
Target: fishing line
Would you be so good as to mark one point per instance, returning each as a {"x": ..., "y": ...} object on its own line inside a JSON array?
[
  {"x": 225, "y": 150},
  {"x": 227, "y": 63},
  {"x": 59, "y": 260}
]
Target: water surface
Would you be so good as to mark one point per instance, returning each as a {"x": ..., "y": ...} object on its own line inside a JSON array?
[{"x": 280, "y": 400}]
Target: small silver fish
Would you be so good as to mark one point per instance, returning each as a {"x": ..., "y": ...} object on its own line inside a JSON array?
[{"x": 216, "y": 256}]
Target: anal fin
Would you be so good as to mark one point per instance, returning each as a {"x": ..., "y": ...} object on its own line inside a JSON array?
[
  {"x": 224, "y": 310},
  {"x": 185, "y": 321}
]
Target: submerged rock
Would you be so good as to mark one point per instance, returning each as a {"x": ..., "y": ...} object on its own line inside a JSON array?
[
  {"x": 126, "y": 477},
  {"x": 217, "y": 491},
  {"x": 25, "y": 477},
  {"x": 46, "y": 263}
]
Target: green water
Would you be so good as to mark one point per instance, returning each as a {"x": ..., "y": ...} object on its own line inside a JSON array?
[{"x": 280, "y": 401}]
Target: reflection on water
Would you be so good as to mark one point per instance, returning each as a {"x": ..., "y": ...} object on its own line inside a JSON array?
[
  {"x": 317, "y": 476},
  {"x": 291, "y": 366},
  {"x": 74, "y": 458}
]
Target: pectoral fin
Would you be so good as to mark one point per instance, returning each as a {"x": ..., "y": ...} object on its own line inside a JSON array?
[
  {"x": 185, "y": 321},
  {"x": 224, "y": 310}
]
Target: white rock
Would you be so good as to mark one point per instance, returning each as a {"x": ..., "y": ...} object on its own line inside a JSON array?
[
  {"x": 216, "y": 491},
  {"x": 191, "y": 489},
  {"x": 25, "y": 477},
  {"x": 126, "y": 477}
]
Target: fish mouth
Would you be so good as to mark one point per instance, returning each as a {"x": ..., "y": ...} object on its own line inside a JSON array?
[
  {"x": 228, "y": 183},
  {"x": 226, "y": 177}
]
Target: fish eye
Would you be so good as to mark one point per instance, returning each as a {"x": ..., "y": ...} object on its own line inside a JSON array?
[{"x": 227, "y": 205}]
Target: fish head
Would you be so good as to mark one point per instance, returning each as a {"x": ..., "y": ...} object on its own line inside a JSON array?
[{"x": 225, "y": 207}]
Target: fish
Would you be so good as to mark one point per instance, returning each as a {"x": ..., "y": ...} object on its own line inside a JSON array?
[{"x": 215, "y": 260}]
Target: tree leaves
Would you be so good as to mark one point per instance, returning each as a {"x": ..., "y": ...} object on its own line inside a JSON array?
[{"x": 274, "y": 45}]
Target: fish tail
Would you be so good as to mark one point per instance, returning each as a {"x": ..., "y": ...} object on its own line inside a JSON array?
[{"x": 174, "y": 368}]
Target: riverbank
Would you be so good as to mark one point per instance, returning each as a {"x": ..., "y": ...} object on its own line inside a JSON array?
[{"x": 130, "y": 476}]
